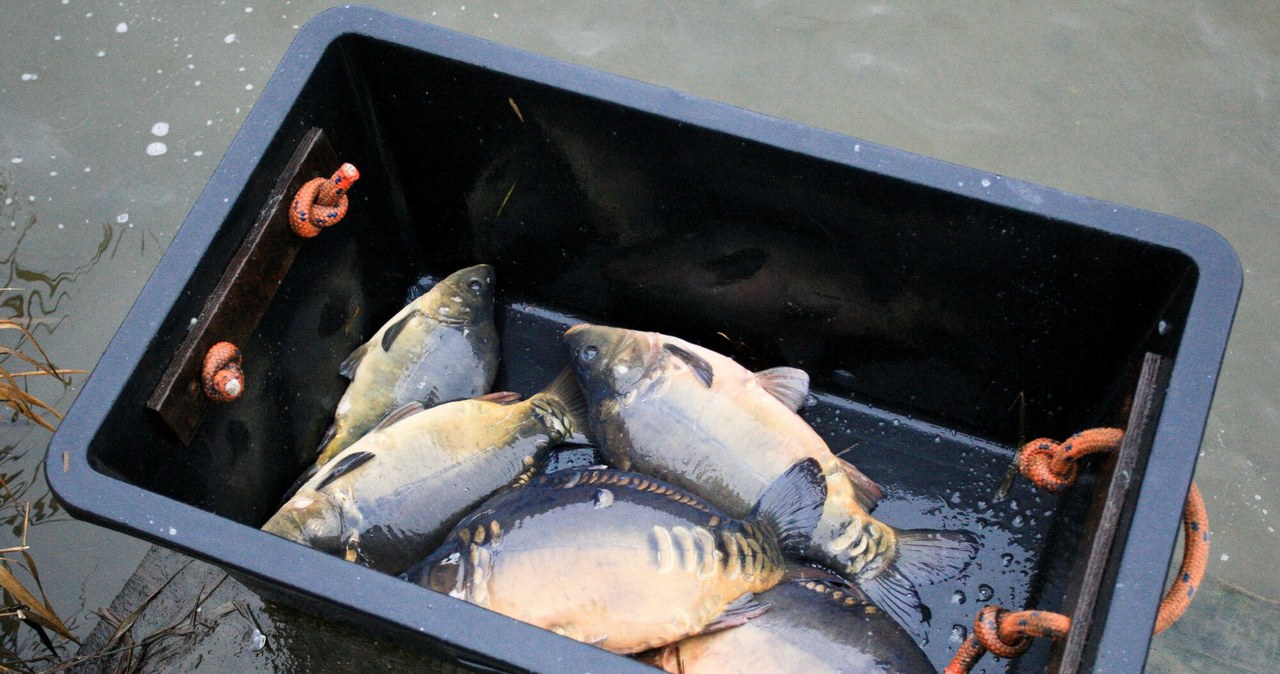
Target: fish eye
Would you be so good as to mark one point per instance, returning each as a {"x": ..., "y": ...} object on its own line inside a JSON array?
[
  {"x": 475, "y": 285},
  {"x": 589, "y": 352}
]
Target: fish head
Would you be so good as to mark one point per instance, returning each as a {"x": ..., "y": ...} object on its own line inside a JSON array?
[
  {"x": 464, "y": 297},
  {"x": 610, "y": 361},
  {"x": 311, "y": 518}
]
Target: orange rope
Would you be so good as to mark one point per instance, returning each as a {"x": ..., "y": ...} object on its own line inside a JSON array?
[
  {"x": 1054, "y": 466},
  {"x": 1195, "y": 556},
  {"x": 1006, "y": 634},
  {"x": 222, "y": 375},
  {"x": 322, "y": 202}
]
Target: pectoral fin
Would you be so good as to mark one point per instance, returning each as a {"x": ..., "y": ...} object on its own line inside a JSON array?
[
  {"x": 738, "y": 612},
  {"x": 701, "y": 368},
  {"x": 344, "y": 465},
  {"x": 398, "y": 414},
  {"x": 788, "y": 384},
  {"x": 348, "y": 366},
  {"x": 389, "y": 335}
]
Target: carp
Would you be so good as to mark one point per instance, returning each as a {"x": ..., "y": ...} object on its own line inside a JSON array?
[
  {"x": 621, "y": 560},
  {"x": 665, "y": 407},
  {"x": 812, "y": 627},
  {"x": 440, "y": 347},
  {"x": 391, "y": 497}
]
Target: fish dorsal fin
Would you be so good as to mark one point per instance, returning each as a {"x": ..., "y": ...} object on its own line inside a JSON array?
[
  {"x": 398, "y": 414},
  {"x": 736, "y": 613},
  {"x": 865, "y": 490},
  {"x": 792, "y": 505},
  {"x": 352, "y": 361},
  {"x": 788, "y": 384},
  {"x": 701, "y": 368},
  {"x": 343, "y": 466},
  {"x": 389, "y": 335}
]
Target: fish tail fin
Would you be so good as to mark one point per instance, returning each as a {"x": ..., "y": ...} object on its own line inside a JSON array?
[
  {"x": 921, "y": 557},
  {"x": 793, "y": 504},
  {"x": 568, "y": 395}
]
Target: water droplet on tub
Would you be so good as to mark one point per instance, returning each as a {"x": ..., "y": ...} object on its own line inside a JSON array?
[
  {"x": 958, "y": 634},
  {"x": 122, "y": 218},
  {"x": 1162, "y": 327},
  {"x": 231, "y": 37},
  {"x": 160, "y": 129},
  {"x": 122, "y": 27},
  {"x": 157, "y": 148},
  {"x": 257, "y": 640},
  {"x": 958, "y": 597},
  {"x": 985, "y": 592}
]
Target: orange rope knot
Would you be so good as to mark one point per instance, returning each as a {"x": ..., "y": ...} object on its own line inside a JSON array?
[
  {"x": 222, "y": 375},
  {"x": 1054, "y": 466},
  {"x": 1006, "y": 634},
  {"x": 321, "y": 202}
]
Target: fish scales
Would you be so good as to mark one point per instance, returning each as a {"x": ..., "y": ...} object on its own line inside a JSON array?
[
  {"x": 649, "y": 568},
  {"x": 665, "y": 407},
  {"x": 427, "y": 471}
]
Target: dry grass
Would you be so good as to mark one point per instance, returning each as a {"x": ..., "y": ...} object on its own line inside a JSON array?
[
  {"x": 23, "y": 604},
  {"x": 13, "y": 393}
]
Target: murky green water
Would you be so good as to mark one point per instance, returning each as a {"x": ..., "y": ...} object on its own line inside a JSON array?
[{"x": 113, "y": 115}]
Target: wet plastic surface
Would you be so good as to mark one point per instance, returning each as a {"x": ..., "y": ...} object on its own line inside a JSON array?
[{"x": 908, "y": 298}]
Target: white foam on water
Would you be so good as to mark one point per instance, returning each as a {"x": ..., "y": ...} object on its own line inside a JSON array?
[
  {"x": 231, "y": 37},
  {"x": 157, "y": 148},
  {"x": 122, "y": 218},
  {"x": 160, "y": 129},
  {"x": 122, "y": 27},
  {"x": 27, "y": 77}
]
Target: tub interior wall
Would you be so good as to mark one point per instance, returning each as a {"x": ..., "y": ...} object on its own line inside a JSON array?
[
  {"x": 930, "y": 322},
  {"x": 915, "y": 299}
]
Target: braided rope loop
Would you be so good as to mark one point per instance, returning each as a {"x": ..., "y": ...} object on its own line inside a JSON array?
[
  {"x": 222, "y": 375},
  {"x": 322, "y": 202},
  {"x": 1053, "y": 466}
]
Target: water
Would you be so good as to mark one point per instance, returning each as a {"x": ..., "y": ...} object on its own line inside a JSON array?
[{"x": 1170, "y": 106}]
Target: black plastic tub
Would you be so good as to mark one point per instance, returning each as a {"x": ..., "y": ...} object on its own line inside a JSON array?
[{"x": 945, "y": 314}]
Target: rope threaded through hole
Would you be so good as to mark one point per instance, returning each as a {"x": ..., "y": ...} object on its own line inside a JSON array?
[{"x": 222, "y": 376}]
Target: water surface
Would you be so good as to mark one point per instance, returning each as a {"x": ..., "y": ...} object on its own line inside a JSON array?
[{"x": 113, "y": 115}]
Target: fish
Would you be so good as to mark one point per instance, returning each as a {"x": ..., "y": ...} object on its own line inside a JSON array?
[
  {"x": 812, "y": 627},
  {"x": 442, "y": 346},
  {"x": 391, "y": 498},
  {"x": 621, "y": 560},
  {"x": 663, "y": 406}
]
